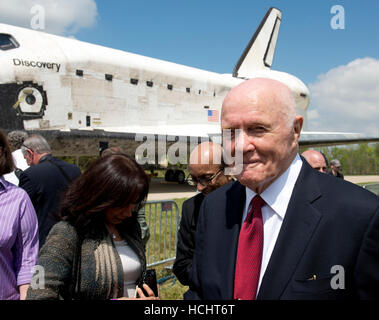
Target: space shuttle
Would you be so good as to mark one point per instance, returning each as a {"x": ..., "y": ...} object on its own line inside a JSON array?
[{"x": 79, "y": 95}]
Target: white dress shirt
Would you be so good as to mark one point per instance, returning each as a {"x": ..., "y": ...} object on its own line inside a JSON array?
[{"x": 277, "y": 197}]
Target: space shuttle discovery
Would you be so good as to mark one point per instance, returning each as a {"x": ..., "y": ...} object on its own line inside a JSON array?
[{"x": 77, "y": 94}]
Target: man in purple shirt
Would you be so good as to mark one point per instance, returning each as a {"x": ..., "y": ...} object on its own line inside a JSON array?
[{"x": 18, "y": 233}]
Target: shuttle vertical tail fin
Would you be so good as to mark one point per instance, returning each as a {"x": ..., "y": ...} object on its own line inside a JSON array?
[{"x": 259, "y": 53}]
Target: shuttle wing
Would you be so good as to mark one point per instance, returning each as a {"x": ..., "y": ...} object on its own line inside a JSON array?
[{"x": 319, "y": 139}]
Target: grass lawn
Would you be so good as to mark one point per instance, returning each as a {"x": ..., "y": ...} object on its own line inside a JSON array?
[
  {"x": 371, "y": 186},
  {"x": 171, "y": 289}
]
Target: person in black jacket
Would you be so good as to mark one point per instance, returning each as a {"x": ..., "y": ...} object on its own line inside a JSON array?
[
  {"x": 44, "y": 181},
  {"x": 207, "y": 173},
  {"x": 335, "y": 166}
]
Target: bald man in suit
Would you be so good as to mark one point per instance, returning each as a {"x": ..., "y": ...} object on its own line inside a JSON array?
[
  {"x": 312, "y": 236},
  {"x": 316, "y": 160},
  {"x": 207, "y": 174}
]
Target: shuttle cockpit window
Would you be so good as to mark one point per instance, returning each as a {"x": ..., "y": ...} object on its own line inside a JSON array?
[{"x": 7, "y": 42}]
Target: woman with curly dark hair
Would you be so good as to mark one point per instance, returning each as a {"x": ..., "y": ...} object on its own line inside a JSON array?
[{"x": 96, "y": 251}]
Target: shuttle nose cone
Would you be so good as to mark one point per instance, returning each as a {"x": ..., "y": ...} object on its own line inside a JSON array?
[
  {"x": 299, "y": 89},
  {"x": 302, "y": 97},
  {"x": 7, "y": 72}
]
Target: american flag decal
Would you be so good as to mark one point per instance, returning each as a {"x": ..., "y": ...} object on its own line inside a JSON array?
[
  {"x": 213, "y": 116},
  {"x": 166, "y": 206}
]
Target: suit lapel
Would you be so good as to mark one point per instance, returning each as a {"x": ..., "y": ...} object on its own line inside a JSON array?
[
  {"x": 236, "y": 197},
  {"x": 299, "y": 224}
]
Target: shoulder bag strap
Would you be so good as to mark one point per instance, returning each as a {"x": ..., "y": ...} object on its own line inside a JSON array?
[{"x": 69, "y": 180}]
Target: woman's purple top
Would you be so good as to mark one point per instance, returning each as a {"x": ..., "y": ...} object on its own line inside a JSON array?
[{"x": 18, "y": 239}]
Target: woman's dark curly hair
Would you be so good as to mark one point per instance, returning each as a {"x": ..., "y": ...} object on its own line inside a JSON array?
[
  {"x": 6, "y": 160},
  {"x": 113, "y": 181}
]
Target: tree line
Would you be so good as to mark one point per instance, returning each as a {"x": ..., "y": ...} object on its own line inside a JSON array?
[{"x": 359, "y": 159}]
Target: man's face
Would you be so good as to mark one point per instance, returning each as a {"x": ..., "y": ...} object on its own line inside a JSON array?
[
  {"x": 318, "y": 164},
  {"x": 203, "y": 173},
  {"x": 267, "y": 142},
  {"x": 335, "y": 168}
]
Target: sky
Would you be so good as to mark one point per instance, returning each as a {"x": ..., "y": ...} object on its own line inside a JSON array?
[{"x": 340, "y": 66}]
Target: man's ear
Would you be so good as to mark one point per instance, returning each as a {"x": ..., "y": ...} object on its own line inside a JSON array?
[
  {"x": 29, "y": 152},
  {"x": 228, "y": 177},
  {"x": 298, "y": 125}
]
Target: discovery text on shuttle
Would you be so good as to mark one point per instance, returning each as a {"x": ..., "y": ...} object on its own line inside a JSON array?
[{"x": 37, "y": 64}]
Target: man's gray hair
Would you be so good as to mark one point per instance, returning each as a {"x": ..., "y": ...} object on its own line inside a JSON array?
[
  {"x": 16, "y": 139},
  {"x": 36, "y": 143}
]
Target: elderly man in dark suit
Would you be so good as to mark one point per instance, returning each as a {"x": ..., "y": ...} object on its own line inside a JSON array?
[
  {"x": 207, "y": 174},
  {"x": 45, "y": 181},
  {"x": 283, "y": 230}
]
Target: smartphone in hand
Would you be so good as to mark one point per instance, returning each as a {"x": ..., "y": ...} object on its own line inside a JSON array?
[{"x": 149, "y": 278}]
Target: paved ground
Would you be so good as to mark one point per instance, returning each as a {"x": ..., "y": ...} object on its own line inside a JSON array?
[
  {"x": 360, "y": 179},
  {"x": 162, "y": 190}
]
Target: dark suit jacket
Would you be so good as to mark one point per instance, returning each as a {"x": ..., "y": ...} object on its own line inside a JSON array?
[
  {"x": 45, "y": 185},
  {"x": 328, "y": 222},
  {"x": 186, "y": 238}
]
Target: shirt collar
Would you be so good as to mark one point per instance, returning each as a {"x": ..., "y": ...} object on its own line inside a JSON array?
[
  {"x": 278, "y": 194},
  {"x": 2, "y": 183},
  {"x": 45, "y": 157}
]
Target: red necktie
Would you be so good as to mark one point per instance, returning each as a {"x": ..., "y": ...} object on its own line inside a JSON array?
[{"x": 249, "y": 256}]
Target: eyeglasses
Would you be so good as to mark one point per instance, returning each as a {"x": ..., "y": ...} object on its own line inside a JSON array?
[
  {"x": 26, "y": 147},
  {"x": 192, "y": 181}
]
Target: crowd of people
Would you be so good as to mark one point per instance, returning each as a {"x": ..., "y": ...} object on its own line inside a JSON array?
[
  {"x": 274, "y": 230},
  {"x": 82, "y": 230}
]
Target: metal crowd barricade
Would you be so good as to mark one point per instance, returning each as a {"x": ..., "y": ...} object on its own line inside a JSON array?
[
  {"x": 163, "y": 220},
  {"x": 373, "y": 187}
]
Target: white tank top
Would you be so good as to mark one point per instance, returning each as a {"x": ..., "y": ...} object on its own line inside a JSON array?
[{"x": 131, "y": 266}]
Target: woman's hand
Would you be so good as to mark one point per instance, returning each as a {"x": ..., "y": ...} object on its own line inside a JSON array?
[
  {"x": 141, "y": 296},
  {"x": 23, "y": 290},
  {"x": 150, "y": 293}
]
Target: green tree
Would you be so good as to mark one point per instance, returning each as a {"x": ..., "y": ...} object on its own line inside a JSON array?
[{"x": 360, "y": 159}]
